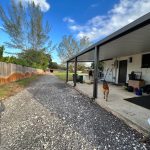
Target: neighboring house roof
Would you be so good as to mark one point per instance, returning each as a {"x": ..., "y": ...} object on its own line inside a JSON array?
[{"x": 104, "y": 44}]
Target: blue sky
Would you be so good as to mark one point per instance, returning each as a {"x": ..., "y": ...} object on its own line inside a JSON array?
[{"x": 92, "y": 18}]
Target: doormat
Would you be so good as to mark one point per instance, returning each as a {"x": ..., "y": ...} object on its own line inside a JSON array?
[{"x": 143, "y": 101}]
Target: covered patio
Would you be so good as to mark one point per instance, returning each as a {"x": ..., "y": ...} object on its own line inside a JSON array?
[
  {"x": 129, "y": 40},
  {"x": 134, "y": 115}
]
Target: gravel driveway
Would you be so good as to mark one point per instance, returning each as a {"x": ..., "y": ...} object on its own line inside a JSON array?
[{"x": 53, "y": 116}]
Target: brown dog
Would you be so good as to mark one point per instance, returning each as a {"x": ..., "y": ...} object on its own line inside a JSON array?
[{"x": 105, "y": 90}]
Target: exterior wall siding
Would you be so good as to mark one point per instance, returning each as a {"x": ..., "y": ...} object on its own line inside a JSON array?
[{"x": 135, "y": 65}]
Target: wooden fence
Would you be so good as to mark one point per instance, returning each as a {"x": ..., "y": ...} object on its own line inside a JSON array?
[{"x": 12, "y": 72}]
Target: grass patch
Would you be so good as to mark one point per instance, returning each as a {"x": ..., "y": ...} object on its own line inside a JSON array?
[
  {"x": 12, "y": 88},
  {"x": 62, "y": 75},
  {"x": 25, "y": 82}
]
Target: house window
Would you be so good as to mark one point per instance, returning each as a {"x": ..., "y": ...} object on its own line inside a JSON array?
[{"x": 146, "y": 61}]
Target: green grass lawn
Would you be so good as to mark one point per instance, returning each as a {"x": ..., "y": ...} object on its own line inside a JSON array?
[
  {"x": 9, "y": 89},
  {"x": 25, "y": 82},
  {"x": 62, "y": 75}
]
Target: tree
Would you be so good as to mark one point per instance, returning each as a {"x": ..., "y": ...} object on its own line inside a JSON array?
[
  {"x": 62, "y": 66},
  {"x": 81, "y": 67},
  {"x": 69, "y": 47},
  {"x": 37, "y": 59},
  {"x": 25, "y": 27},
  {"x": 29, "y": 33},
  {"x": 100, "y": 66},
  {"x": 53, "y": 65},
  {"x": 38, "y": 34},
  {"x": 2, "y": 48}
]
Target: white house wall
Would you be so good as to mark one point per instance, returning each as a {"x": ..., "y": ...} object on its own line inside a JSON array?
[
  {"x": 134, "y": 66},
  {"x": 109, "y": 71}
]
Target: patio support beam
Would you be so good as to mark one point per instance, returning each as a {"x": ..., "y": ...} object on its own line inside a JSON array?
[
  {"x": 67, "y": 67},
  {"x": 95, "y": 84},
  {"x": 75, "y": 71}
]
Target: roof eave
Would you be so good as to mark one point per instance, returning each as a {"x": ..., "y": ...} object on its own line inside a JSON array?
[{"x": 140, "y": 22}]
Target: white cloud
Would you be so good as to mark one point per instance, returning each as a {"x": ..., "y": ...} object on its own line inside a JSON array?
[
  {"x": 122, "y": 14},
  {"x": 94, "y": 5},
  {"x": 68, "y": 19},
  {"x": 1, "y": 28},
  {"x": 75, "y": 27},
  {"x": 43, "y": 4}
]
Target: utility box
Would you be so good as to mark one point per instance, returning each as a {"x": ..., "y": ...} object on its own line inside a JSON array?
[{"x": 79, "y": 78}]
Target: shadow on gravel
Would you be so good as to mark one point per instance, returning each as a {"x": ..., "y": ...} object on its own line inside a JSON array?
[
  {"x": 2, "y": 107},
  {"x": 60, "y": 85},
  {"x": 94, "y": 123}
]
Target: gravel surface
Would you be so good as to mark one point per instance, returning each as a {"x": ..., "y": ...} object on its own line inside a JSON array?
[{"x": 53, "y": 116}]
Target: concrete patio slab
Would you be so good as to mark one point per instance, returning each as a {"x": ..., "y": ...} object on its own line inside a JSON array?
[{"x": 134, "y": 115}]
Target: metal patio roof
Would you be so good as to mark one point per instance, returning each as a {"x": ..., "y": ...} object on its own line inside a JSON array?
[{"x": 131, "y": 39}]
